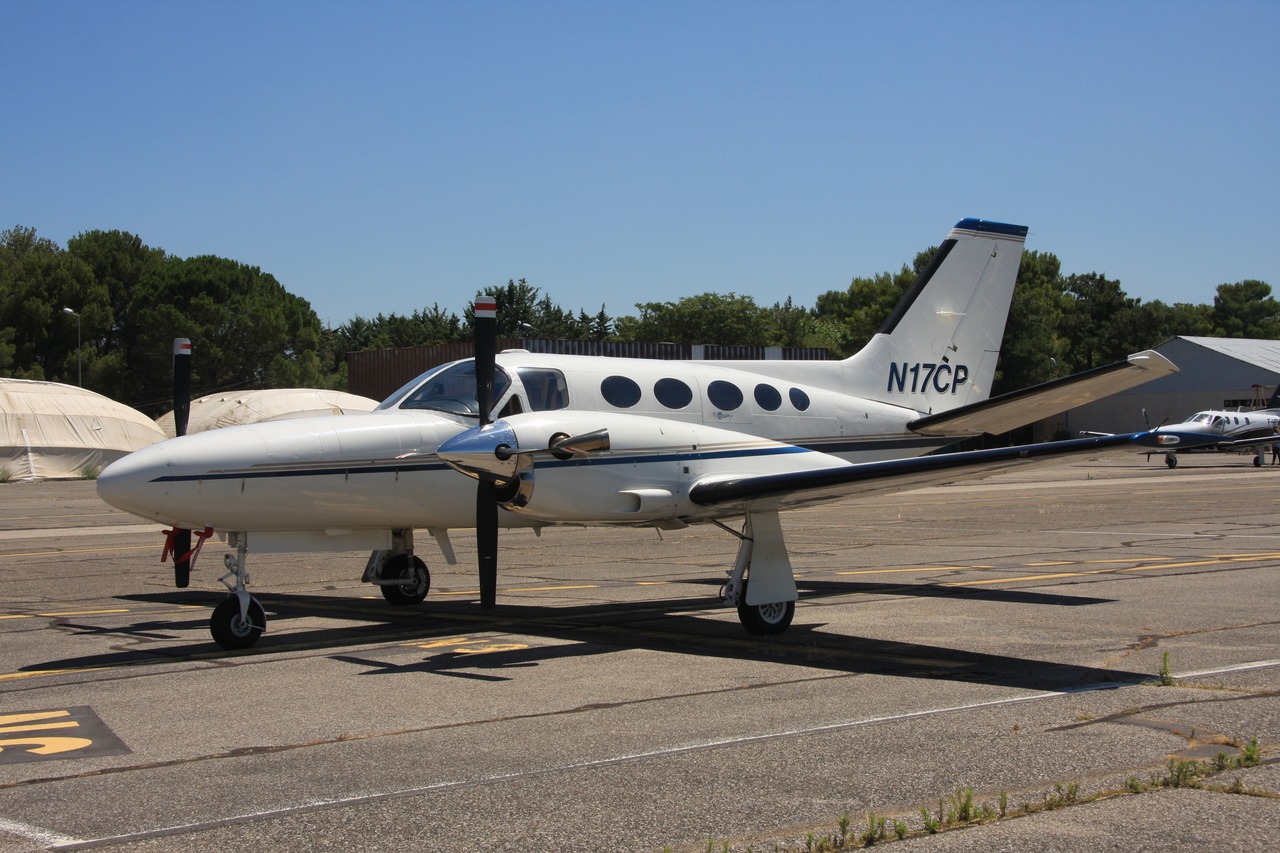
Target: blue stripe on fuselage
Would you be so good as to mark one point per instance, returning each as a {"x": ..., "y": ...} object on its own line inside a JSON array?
[{"x": 832, "y": 448}]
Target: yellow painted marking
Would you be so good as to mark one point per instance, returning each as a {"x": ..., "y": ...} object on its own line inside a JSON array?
[
  {"x": 8, "y": 719},
  {"x": 40, "y": 673},
  {"x": 916, "y": 569},
  {"x": 520, "y": 589},
  {"x": 464, "y": 645},
  {"x": 79, "y": 551},
  {"x": 71, "y": 724},
  {"x": 48, "y": 745},
  {"x": 14, "y": 723},
  {"x": 83, "y": 612},
  {"x": 1084, "y": 572},
  {"x": 553, "y": 588},
  {"x": 493, "y": 647},
  {"x": 435, "y": 644}
]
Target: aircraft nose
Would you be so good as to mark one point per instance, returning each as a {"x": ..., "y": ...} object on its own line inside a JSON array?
[
  {"x": 129, "y": 482},
  {"x": 488, "y": 450}
]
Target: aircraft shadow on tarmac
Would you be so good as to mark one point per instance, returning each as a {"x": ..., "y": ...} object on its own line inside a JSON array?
[{"x": 672, "y": 625}]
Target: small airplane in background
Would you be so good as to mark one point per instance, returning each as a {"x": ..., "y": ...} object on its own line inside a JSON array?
[
  {"x": 586, "y": 440},
  {"x": 1220, "y": 431}
]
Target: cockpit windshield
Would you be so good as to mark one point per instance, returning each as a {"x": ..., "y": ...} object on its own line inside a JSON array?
[
  {"x": 1200, "y": 418},
  {"x": 451, "y": 388}
]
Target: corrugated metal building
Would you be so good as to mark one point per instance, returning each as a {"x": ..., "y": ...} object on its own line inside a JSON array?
[
  {"x": 377, "y": 373},
  {"x": 1214, "y": 373}
]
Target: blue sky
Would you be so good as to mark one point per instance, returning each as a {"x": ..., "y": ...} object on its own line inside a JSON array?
[{"x": 380, "y": 157}]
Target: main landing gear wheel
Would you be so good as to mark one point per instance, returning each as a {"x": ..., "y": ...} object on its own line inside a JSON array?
[
  {"x": 773, "y": 618},
  {"x": 230, "y": 630},
  {"x": 417, "y": 580}
]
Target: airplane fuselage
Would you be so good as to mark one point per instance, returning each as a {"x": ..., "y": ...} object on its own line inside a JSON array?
[
  {"x": 1232, "y": 425},
  {"x": 335, "y": 477}
]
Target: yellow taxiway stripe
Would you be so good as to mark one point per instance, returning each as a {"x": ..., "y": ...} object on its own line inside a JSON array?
[
  {"x": 41, "y": 673},
  {"x": 91, "y": 612},
  {"x": 519, "y": 589},
  {"x": 61, "y": 551},
  {"x": 916, "y": 569},
  {"x": 1213, "y": 561}
]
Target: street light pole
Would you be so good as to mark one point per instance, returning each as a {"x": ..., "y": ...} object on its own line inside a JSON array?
[{"x": 79, "y": 382}]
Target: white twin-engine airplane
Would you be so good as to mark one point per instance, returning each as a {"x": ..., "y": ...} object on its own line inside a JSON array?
[{"x": 587, "y": 440}]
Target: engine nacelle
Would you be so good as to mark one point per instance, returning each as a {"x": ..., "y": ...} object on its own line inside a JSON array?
[{"x": 595, "y": 467}]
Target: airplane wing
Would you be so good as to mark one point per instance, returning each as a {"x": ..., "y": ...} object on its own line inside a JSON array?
[
  {"x": 1010, "y": 411},
  {"x": 1200, "y": 441},
  {"x": 796, "y": 488},
  {"x": 1257, "y": 441}
]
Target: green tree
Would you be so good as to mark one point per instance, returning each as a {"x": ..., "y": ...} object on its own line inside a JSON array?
[
  {"x": 128, "y": 269},
  {"x": 1033, "y": 350},
  {"x": 708, "y": 318},
  {"x": 1246, "y": 309},
  {"x": 246, "y": 330},
  {"x": 1167, "y": 321},
  {"x": 1100, "y": 323},
  {"x": 37, "y": 281},
  {"x": 860, "y": 310}
]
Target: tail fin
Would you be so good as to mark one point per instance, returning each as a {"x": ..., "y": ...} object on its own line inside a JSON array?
[{"x": 938, "y": 349}]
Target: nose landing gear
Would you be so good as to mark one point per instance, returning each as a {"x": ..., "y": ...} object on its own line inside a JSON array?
[{"x": 239, "y": 621}]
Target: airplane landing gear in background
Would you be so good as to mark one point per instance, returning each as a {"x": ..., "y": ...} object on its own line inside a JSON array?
[{"x": 417, "y": 580}]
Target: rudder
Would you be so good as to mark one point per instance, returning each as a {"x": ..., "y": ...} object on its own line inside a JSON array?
[{"x": 938, "y": 349}]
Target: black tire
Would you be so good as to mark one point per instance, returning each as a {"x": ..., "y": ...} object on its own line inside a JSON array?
[
  {"x": 419, "y": 580},
  {"x": 1257, "y": 462},
  {"x": 1171, "y": 460},
  {"x": 765, "y": 618},
  {"x": 230, "y": 631}
]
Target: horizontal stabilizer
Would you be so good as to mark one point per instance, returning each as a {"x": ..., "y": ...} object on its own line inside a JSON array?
[{"x": 1019, "y": 408}]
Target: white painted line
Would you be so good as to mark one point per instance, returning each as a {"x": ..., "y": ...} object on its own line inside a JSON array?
[
  {"x": 1242, "y": 667},
  {"x": 35, "y": 833},
  {"x": 717, "y": 743},
  {"x": 64, "y": 843}
]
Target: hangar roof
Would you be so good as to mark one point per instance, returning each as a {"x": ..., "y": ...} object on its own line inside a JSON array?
[
  {"x": 1262, "y": 353},
  {"x": 247, "y": 407},
  {"x": 51, "y": 430}
]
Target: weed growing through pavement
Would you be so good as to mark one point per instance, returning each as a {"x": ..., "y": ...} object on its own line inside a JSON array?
[
  {"x": 931, "y": 823},
  {"x": 962, "y": 809},
  {"x": 1166, "y": 677}
]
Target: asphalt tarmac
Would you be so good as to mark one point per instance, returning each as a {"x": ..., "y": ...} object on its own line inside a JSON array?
[{"x": 993, "y": 647}]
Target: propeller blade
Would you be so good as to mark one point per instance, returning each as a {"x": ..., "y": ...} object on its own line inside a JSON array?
[
  {"x": 487, "y": 542},
  {"x": 486, "y": 344},
  {"x": 486, "y": 325},
  {"x": 181, "y": 415}
]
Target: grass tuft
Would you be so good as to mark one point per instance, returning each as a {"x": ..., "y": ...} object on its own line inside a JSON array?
[{"x": 1166, "y": 678}]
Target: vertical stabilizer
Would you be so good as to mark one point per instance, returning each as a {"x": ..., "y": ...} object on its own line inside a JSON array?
[{"x": 939, "y": 347}]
